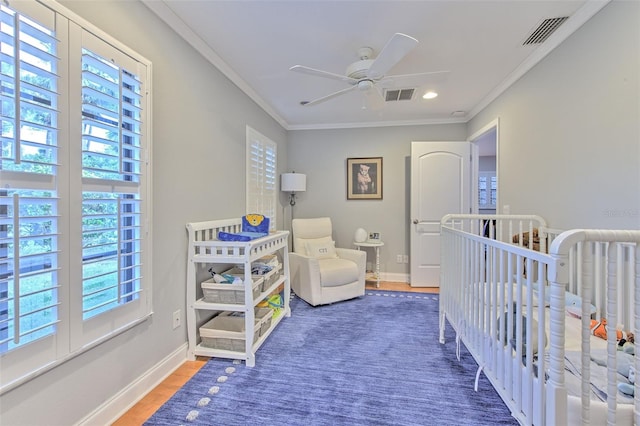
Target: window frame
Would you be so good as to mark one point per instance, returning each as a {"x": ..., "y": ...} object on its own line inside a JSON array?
[
  {"x": 490, "y": 177},
  {"x": 261, "y": 176},
  {"x": 73, "y": 335}
]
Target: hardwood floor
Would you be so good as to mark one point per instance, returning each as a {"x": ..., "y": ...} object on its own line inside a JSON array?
[{"x": 148, "y": 405}]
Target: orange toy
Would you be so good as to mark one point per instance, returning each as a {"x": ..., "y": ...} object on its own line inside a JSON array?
[{"x": 599, "y": 329}]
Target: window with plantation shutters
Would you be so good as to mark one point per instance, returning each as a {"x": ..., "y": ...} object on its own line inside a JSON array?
[
  {"x": 111, "y": 160},
  {"x": 74, "y": 256},
  {"x": 29, "y": 200},
  {"x": 487, "y": 190},
  {"x": 261, "y": 175}
]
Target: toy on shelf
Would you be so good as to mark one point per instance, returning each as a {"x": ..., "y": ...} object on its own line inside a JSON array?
[{"x": 253, "y": 226}]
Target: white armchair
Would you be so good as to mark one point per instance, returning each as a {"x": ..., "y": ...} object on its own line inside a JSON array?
[{"x": 320, "y": 272}]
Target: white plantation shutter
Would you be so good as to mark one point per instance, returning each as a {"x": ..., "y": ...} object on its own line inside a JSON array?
[
  {"x": 112, "y": 199},
  {"x": 30, "y": 281},
  {"x": 487, "y": 190},
  {"x": 73, "y": 239},
  {"x": 262, "y": 180},
  {"x": 112, "y": 192}
]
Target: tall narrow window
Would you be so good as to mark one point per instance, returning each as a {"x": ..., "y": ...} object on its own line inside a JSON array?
[
  {"x": 487, "y": 190},
  {"x": 261, "y": 175},
  {"x": 74, "y": 255},
  {"x": 111, "y": 151},
  {"x": 29, "y": 210}
]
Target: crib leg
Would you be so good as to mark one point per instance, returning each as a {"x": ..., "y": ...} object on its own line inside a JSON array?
[
  {"x": 475, "y": 386},
  {"x": 458, "y": 347},
  {"x": 442, "y": 326}
]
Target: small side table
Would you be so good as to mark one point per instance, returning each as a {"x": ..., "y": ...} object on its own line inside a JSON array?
[{"x": 376, "y": 245}]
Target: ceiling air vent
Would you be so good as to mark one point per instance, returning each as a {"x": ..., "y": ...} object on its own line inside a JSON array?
[
  {"x": 398, "y": 95},
  {"x": 544, "y": 30}
]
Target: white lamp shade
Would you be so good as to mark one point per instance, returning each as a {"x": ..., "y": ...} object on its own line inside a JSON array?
[{"x": 293, "y": 182}]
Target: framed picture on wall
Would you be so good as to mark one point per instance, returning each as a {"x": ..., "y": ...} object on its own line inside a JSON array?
[{"x": 364, "y": 178}]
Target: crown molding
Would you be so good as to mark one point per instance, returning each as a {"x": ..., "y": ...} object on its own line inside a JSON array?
[
  {"x": 586, "y": 12},
  {"x": 327, "y": 126},
  {"x": 164, "y": 12}
]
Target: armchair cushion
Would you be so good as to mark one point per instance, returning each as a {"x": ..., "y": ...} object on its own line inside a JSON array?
[
  {"x": 321, "y": 248},
  {"x": 336, "y": 272}
]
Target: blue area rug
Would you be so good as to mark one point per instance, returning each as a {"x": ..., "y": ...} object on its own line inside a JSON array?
[{"x": 375, "y": 360}]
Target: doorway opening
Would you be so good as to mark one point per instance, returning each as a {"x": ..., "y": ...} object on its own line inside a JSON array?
[{"x": 487, "y": 179}]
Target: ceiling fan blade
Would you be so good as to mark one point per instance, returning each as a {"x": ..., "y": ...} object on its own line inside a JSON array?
[
  {"x": 395, "y": 49},
  {"x": 319, "y": 73},
  {"x": 330, "y": 96}
]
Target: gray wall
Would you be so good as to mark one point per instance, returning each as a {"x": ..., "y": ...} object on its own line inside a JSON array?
[
  {"x": 569, "y": 129},
  {"x": 569, "y": 144},
  {"x": 569, "y": 133},
  {"x": 487, "y": 163},
  {"x": 198, "y": 144},
  {"x": 322, "y": 155}
]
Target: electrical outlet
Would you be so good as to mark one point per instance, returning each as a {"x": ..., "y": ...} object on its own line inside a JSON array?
[
  {"x": 399, "y": 258},
  {"x": 405, "y": 258},
  {"x": 176, "y": 319}
]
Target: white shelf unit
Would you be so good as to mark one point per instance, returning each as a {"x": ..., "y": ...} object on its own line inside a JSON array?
[{"x": 205, "y": 251}]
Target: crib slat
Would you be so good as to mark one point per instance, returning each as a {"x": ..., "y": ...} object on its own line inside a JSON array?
[
  {"x": 636, "y": 327},
  {"x": 491, "y": 274}
]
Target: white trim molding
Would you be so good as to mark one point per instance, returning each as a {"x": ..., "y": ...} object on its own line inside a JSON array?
[{"x": 112, "y": 409}]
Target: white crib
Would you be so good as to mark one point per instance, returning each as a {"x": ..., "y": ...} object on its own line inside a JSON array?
[{"x": 488, "y": 283}]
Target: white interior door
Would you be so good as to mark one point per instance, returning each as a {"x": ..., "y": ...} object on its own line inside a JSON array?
[{"x": 440, "y": 184}]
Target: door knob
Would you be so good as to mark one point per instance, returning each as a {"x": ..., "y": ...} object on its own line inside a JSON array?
[{"x": 415, "y": 221}]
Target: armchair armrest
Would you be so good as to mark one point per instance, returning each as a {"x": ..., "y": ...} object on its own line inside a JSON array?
[
  {"x": 352, "y": 254},
  {"x": 357, "y": 256},
  {"x": 305, "y": 275}
]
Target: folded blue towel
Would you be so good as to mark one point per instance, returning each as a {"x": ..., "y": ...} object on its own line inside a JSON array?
[{"x": 241, "y": 236}]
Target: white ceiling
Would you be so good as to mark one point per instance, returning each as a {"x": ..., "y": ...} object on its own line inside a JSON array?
[{"x": 479, "y": 42}]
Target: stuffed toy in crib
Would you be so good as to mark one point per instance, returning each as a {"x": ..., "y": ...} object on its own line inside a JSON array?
[
  {"x": 624, "y": 358},
  {"x": 599, "y": 329},
  {"x": 628, "y": 388},
  {"x": 535, "y": 240}
]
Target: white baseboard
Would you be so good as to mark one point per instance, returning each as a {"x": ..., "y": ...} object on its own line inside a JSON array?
[{"x": 120, "y": 403}]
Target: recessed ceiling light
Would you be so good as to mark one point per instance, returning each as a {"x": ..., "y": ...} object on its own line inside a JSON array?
[{"x": 429, "y": 95}]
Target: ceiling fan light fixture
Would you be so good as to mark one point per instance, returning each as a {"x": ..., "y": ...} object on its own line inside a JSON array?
[
  {"x": 430, "y": 95},
  {"x": 365, "y": 85}
]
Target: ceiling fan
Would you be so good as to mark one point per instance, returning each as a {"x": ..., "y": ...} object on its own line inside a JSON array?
[{"x": 367, "y": 73}]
